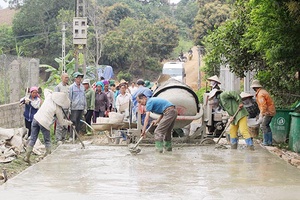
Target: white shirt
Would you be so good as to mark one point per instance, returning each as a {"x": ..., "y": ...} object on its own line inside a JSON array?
[
  {"x": 132, "y": 89},
  {"x": 122, "y": 102}
]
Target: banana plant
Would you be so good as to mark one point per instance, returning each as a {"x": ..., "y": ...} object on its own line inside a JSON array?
[{"x": 55, "y": 73}]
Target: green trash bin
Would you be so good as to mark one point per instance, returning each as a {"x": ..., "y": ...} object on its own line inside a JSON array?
[
  {"x": 280, "y": 125},
  {"x": 294, "y": 138}
]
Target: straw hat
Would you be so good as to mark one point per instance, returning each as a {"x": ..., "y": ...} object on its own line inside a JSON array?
[
  {"x": 213, "y": 93},
  {"x": 214, "y": 78},
  {"x": 86, "y": 81},
  {"x": 245, "y": 95},
  {"x": 162, "y": 78},
  {"x": 256, "y": 84},
  {"x": 61, "y": 99}
]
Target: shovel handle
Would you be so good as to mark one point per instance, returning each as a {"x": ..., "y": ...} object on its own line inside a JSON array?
[{"x": 228, "y": 124}]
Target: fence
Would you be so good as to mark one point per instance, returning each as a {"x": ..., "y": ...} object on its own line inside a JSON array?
[
  {"x": 11, "y": 115},
  {"x": 16, "y": 74}
]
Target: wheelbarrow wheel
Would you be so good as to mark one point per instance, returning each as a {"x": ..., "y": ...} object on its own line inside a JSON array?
[{"x": 207, "y": 141}]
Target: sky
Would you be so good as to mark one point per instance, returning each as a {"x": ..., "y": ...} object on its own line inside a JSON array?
[{"x": 3, "y": 4}]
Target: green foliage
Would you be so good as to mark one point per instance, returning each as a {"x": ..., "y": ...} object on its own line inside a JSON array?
[
  {"x": 135, "y": 42},
  {"x": 126, "y": 76},
  {"x": 261, "y": 36},
  {"x": 7, "y": 40},
  {"x": 55, "y": 74},
  {"x": 186, "y": 12},
  {"x": 210, "y": 16},
  {"x": 200, "y": 94},
  {"x": 35, "y": 27},
  {"x": 184, "y": 45}
]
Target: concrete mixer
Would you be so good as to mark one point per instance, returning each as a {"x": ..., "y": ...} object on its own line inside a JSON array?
[
  {"x": 189, "y": 112},
  {"x": 182, "y": 96}
]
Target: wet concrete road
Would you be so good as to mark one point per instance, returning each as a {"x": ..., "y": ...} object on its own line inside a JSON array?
[{"x": 110, "y": 172}]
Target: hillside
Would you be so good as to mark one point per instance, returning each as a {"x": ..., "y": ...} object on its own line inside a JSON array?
[
  {"x": 192, "y": 70},
  {"x": 6, "y": 16}
]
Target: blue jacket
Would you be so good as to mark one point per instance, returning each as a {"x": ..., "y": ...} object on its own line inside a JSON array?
[
  {"x": 77, "y": 97},
  {"x": 30, "y": 111}
]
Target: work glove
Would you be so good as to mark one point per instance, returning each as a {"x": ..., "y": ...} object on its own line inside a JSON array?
[
  {"x": 69, "y": 123},
  {"x": 27, "y": 100}
]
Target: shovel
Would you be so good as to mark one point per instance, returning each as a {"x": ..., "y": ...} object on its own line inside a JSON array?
[
  {"x": 134, "y": 149},
  {"x": 74, "y": 130},
  {"x": 228, "y": 125}
]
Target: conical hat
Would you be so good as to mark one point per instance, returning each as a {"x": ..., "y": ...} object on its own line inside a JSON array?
[
  {"x": 61, "y": 99},
  {"x": 256, "y": 84},
  {"x": 162, "y": 78},
  {"x": 245, "y": 95},
  {"x": 214, "y": 78}
]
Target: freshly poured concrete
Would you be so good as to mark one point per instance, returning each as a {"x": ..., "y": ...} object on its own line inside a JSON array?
[{"x": 111, "y": 172}]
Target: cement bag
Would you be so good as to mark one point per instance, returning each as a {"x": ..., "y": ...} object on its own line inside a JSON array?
[
  {"x": 115, "y": 118},
  {"x": 102, "y": 120}
]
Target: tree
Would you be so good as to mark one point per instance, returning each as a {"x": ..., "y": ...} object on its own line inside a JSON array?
[
  {"x": 36, "y": 31},
  {"x": 135, "y": 43},
  {"x": 209, "y": 17}
]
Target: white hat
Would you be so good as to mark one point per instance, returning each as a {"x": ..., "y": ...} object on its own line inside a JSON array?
[
  {"x": 61, "y": 99},
  {"x": 213, "y": 92},
  {"x": 255, "y": 84},
  {"x": 245, "y": 95},
  {"x": 86, "y": 81},
  {"x": 214, "y": 78}
]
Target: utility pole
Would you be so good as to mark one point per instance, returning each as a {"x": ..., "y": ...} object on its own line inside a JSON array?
[
  {"x": 80, "y": 34},
  {"x": 199, "y": 48},
  {"x": 63, "y": 47}
]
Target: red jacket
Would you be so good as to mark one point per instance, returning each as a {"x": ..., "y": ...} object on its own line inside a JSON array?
[{"x": 265, "y": 102}]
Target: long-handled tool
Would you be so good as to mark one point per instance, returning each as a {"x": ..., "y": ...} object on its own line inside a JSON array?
[
  {"x": 74, "y": 130},
  {"x": 134, "y": 149},
  {"x": 237, "y": 111}
]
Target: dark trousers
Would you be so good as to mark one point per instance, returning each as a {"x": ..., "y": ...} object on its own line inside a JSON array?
[
  {"x": 28, "y": 126},
  {"x": 88, "y": 116},
  {"x": 75, "y": 117},
  {"x": 97, "y": 114}
]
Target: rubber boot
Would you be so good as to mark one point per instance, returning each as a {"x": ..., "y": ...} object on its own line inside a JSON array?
[
  {"x": 28, "y": 153},
  {"x": 265, "y": 139},
  {"x": 269, "y": 138},
  {"x": 89, "y": 132},
  {"x": 168, "y": 145},
  {"x": 234, "y": 143},
  {"x": 249, "y": 143},
  {"x": 159, "y": 146},
  {"x": 48, "y": 151}
]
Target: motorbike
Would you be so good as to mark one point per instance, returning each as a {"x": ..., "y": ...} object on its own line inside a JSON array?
[
  {"x": 182, "y": 58},
  {"x": 190, "y": 55}
]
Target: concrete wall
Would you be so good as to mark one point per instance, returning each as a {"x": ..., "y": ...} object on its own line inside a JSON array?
[{"x": 11, "y": 116}]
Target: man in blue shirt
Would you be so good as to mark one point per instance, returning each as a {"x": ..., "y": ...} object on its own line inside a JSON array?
[
  {"x": 78, "y": 105},
  {"x": 165, "y": 122}
]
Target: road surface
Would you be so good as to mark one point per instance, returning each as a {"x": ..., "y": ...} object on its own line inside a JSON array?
[{"x": 198, "y": 172}]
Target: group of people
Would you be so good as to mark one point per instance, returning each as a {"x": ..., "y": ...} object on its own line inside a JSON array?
[
  {"x": 241, "y": 107},
  {"x": 69, "y": 104}
]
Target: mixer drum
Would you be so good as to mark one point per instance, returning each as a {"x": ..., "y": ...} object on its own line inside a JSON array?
[{"x": 183, "y": 97}]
